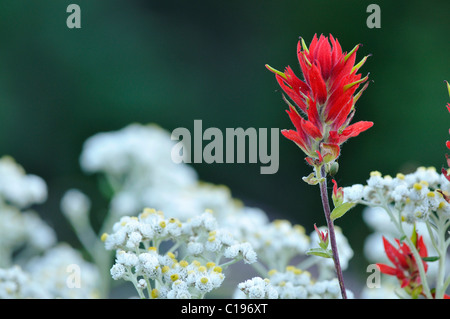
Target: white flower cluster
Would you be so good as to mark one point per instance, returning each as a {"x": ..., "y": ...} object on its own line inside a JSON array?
[
  {"x": 18, "y": 188},
  {"x": 15, "y": 284},
  {"x": 180, "y": 257},
  {"x": 293, "y": 283},
  {"x": 258, "y": 288},
  {"x": 60, "y": 273},
  {"x": 415, "y": 195},
  {"x": 276, "y": 242},
  {"x": 136, "y": 162},
  {"x": 19, "y": 225},
  {"x": 32, "y": 263},
  {"x": 63, "y": 273},
  {"x": 139, "y": 257},
  {"x": 18, "y": 229}
]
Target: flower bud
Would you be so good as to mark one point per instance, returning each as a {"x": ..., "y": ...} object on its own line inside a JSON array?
[
  {"x": 323, "y": 237},
  {"x": 333, "y": 168},
  {"x": 338, "y": 195}
]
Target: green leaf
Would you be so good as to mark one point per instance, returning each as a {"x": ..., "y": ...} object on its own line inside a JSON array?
[
  {"x": 320, "y": 252},
  {"x": 430, "y": 258},
  {"x": 341, "y": 210}
]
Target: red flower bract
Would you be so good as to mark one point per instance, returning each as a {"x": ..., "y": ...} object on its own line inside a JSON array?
[
  {"x": 324, "y": 101},
  {"x": 405, "y": 266}
]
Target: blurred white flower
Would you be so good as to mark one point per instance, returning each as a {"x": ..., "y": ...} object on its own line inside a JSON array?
[
  {"x": 75, "y": 204},
  {"x": 18, "y": 284},
  {"x": 292, "y": 283},
  {"x": 18, "y": 188},
  {"x": 20, "y": 227},
  {"x": 39, "y": 234},
  {"x": 53, "y": 273},
  {"x": 258, "y": 288}
]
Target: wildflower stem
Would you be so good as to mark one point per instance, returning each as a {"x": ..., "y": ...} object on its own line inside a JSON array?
[
  {"x": 330, "y": 224},
  {"x": 438, "y": 247},
  {"x": 94, "y": 248},
  {"x": 174, "y": 247},
  {"x": 440, "y": 290},
  {"x": 259, "y": 267},
  {"x": 441, "y": 248},
  {"x": 307, "y": 263},
  {"x": 446, "y": 283},
  {"x": 420, "y": 266},
  {"x": 229, "y": 263}
]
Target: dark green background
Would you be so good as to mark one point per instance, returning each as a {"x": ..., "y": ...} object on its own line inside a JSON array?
[{"x": 170, "y": 62}]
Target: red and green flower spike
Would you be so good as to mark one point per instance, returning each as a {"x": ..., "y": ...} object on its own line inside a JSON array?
[
  {"x": 323, "y": 102},
  {"x": 445, "y": 171}
]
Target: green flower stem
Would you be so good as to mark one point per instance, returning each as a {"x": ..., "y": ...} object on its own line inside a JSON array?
[
  {"x": 330, "y": 224},
  {"x": 446, "y": 283},
  {"x": 133, "y": 279},
  {"x": 441, "y": 225},
  {"x": 95, "y": 248},
  {"x": 440, "y": 290},
  {"x": 423, "y": 276},
  {"x": 229, "y": 263},
  {"x": 307, "y": 263},
  {"x": 259, "y": 267}
]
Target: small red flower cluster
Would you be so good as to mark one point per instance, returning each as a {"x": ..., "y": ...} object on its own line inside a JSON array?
[
  {"x": 405, "y": 265},
  {"x": 325, "y": 98}
]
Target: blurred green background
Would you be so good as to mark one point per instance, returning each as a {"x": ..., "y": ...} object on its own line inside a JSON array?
[{"x": 170, "y": 62}]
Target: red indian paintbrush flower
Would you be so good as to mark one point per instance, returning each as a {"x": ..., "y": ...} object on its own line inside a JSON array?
[
  {"x": 445, "y": 171},
  {"x": 325, "y": 99},
  {"x": 405, "y": 266}
]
